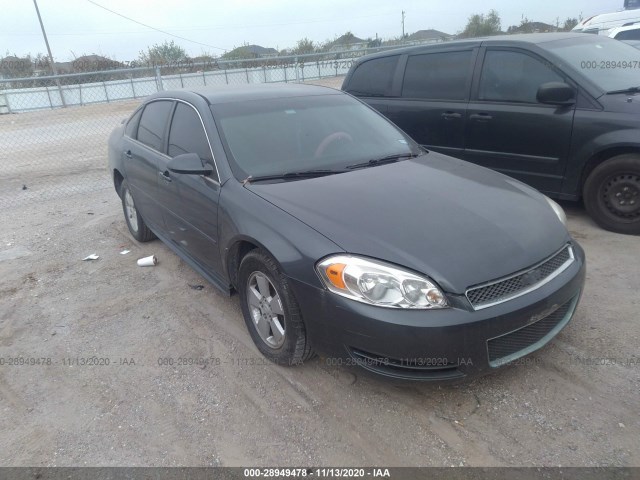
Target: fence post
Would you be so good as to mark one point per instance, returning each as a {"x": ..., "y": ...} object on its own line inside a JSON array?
[
  {"x": 49, "y": 95},
  {"x": 285, "y": 73},
  {"x": 80, "y": 93},
  {"x": 133, "y": 88},
  {"x": 246, "y": 71},
  {"x": 264, "y": 71},
  {"x": 319, "y": 72},
  {"x": 226, "y": 77},
  {"x": 204, "y": 78},
  {"x": 106, "y": 92},
  {"x": 295, "y": 65},
  {"x": 181, "y": 81},
  {"x": 159, "y": 80}
]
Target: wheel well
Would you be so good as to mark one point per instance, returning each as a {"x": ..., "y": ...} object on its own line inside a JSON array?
[
  {"x": 603, "y": 156},
  {"x": 235, "y": 256},
  {"x": 117, "y": 180}
]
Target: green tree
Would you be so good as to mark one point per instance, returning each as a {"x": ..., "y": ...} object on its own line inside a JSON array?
[
  {"x": 240, "y": 53},
  {"x": 303, "y": 47},
  {"x": 12, "y": 66},
  {"x": 167, "y": 53},
  {"x": 481, "y": 25},
  {"x": 569, "y": 23}
]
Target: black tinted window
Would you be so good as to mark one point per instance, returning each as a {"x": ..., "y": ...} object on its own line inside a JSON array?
[
  {"x": 187, "y": 134},
  {"x": 629, "y": 35},
  {"x": 513, "y": 77},
  {"x": 132, "y": 125},
  {"x": 152, "y": 124},
  {"x": 438, "y": 76},
  {"x": 373, "y": 77}
]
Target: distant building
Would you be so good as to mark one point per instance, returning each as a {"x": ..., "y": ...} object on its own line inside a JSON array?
[
  {"x": 429, "y": 36},
  {"x": 532, "y": 27},
  {"x": 348, "y": 41}
]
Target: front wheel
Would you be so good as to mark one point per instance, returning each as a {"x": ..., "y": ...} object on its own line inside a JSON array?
[
  {"x": 612, "y": 194},
  {"x": 270, "y": 310}
]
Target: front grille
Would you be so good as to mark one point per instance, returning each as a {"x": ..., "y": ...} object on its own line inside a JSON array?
[
  {"x": 505, "y": 289},
  {"x": 523, "y": 341}
]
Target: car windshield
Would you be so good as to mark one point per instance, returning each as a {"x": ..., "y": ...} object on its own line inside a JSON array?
[
  {"x": 299, "y": 134},
  {"x": 610, "y": 64}
]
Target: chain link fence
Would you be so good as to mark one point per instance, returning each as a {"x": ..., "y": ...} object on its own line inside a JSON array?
[{"x": 54, "y": 129}]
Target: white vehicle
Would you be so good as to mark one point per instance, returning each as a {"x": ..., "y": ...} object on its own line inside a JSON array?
[
  {"x": 630, "y": 32},
  {"x": 604, "y": 23}
]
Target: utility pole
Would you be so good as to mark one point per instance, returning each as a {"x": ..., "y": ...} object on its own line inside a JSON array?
[
  {"x": 403, "y": 15},
  {"x": 53, "y": 67}
]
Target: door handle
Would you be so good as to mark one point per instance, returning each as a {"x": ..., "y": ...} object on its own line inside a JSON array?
[
  {"x": 482, "y": 117},
  {"x": 165, "y": 176},
  {"x": 450, "y": 115},
  {"x": 128, "y": 153}
]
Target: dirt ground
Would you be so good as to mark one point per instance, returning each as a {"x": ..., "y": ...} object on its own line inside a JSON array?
[{"x": 573, "y": 403}]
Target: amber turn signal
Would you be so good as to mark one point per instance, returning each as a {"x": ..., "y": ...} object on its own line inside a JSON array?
[{"x": 334, "y": 274}]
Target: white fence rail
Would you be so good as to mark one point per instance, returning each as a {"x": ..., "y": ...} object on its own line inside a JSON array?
[{"x": 16, "y": 100}]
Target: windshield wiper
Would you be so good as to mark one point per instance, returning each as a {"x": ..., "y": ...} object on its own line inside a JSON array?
[
  {"x": 386, "y": 159},
  {"x": 291, "y": 175},
  {"x": 625, "y": 90}
]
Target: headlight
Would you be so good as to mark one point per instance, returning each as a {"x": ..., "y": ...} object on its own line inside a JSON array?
[
  {"x": 378, "y": 283},
  {"x": 558, "y": 209}
]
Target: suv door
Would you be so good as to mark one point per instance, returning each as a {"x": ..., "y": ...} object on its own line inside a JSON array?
[
  {"x": 143, "y": 151},
  {"x": 508, "y": 129},
  {"x": 196, "y": 217},
  {"x": 434, "y": 97}
]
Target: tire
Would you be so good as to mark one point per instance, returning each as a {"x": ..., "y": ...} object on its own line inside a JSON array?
[
  {"x": 271, "y": 311},
  {"x": 612, "y": 194},
  {"x": 137, "y": 227}
]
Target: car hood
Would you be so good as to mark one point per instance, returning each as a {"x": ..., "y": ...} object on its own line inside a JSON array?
[{"x": 456, "y": 222}]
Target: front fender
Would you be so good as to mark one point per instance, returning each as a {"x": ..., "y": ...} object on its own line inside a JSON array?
[{"x": 245, "y": 216}]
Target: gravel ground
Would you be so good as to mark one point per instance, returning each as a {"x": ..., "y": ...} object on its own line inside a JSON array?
[{"x": 552, "y": 409}]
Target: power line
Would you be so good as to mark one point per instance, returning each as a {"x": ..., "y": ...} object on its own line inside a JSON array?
[
  {"x": 156, "y": 29},
  {"x": 209, "y": 27}
]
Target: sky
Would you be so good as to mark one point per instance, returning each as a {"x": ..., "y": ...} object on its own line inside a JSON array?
[{"x": 79, "y": 27}]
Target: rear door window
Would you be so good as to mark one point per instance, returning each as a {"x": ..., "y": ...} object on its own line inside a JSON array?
[
  {"x": 153, "y": 123},
  {"x": 132, "y": 125},
  {"x": 438, "y": 76},
  {"x": 373, "y": 78}
]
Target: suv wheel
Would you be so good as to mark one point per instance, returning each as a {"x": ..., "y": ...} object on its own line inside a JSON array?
[{"x": 612, "y": 194}]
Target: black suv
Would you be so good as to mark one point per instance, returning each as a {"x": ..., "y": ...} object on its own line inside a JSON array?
[{"x": 559, "y": 111}]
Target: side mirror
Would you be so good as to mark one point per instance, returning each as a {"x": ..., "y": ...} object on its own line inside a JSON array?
[
  {"x": 189, "y": 164},
  {"x": 556, "y": 93}
]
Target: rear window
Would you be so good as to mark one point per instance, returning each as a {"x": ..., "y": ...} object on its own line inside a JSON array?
[
  {"x": 373, "y": 78},
  {"x": 629, "y": 34},
  {"x": 438, "y": 76}
]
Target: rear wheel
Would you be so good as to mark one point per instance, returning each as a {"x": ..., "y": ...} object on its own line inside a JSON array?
[
  {"x": 137, "y": 227},
  {"x": 270, "y": 310},
  {"x": 612, "y": 194}
]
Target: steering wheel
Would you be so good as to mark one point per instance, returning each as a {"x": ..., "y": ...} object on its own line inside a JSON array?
[{"x": 329, "y": 139}]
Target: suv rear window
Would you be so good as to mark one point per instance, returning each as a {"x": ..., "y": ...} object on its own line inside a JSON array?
[
  {"x": 438, "y": 76},
  {"x": 373, "y": 78}
]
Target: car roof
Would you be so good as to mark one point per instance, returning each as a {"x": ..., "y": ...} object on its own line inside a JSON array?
[
  {"x": 520, "y": 38},
  {"x": 245, "y": 92},
  {"x": 624, "y": 28}
]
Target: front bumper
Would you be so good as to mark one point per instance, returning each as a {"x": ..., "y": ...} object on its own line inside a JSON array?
[{"x": 445, "y": 344}]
